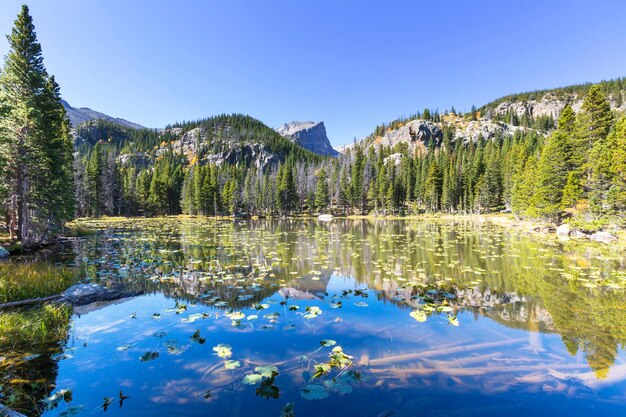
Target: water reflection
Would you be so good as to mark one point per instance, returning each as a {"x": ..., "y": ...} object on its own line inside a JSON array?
[
  {"x": 513, "y": 279},
  {"x": 540, "y": 321}
]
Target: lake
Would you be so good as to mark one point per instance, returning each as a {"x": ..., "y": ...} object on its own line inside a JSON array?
[{"x": 341, "y": 318}]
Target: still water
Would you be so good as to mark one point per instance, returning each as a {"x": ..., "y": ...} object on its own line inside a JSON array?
[{"x": 347, "y": 318}]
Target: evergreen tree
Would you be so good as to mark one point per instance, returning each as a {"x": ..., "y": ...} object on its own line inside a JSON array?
[
  {"x": 554, "y": 167},
  {"x": 321, "y": 191},
  {"x": 617, "y": 143},
  {"x": 95, "y": 167},
  {"x": 35, "y": 145}
]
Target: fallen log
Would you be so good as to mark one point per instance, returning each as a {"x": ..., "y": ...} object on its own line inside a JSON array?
[
  {"x": 405, "y": 372},
  {"x": 30, "y": 302},
  {"x": 440, "y": 352}
]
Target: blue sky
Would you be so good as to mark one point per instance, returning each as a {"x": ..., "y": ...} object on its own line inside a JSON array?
[{"x": 353, "y": 64}]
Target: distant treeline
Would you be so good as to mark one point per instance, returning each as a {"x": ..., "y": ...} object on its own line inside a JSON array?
[{"x": 576, "y": 170}]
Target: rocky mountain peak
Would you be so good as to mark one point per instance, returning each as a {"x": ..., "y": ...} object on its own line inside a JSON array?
[
  {"x": 310, "y": 135},
  {"x": 81, "y": 115}
]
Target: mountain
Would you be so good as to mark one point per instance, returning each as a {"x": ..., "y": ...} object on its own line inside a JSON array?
[
  {"x": 81, "y": 115},
  {"x": 419, "y": 134},
  {"x": 550, "y": 102},
  {"x": 309, "y": 135},
  {"x": 231, "y": 139},
  {"x": 530, "y": 111}
]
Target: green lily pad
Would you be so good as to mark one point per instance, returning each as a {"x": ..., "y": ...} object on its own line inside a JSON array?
[
  {"x": 223, "y": 350},
  {"x": 267, "y": 371},
  {"x": 419, "y": 315},
  {"x": 252, "y": 379},
  {"x": 231, "y": 364}
]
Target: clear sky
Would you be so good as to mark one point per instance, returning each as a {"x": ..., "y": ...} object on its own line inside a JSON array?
[{"x": 352, "y": 64}]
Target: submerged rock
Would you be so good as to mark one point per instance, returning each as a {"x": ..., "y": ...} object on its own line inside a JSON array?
[
  {"x": 4, "y": 253},
  {"x": 83, "y": 294}
]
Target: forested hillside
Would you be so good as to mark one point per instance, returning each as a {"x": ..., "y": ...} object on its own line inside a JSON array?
[
  {"x": 199, "y": 167},
  {"x": 450, "y": 162},
  {"x": 552, "y": 154}
]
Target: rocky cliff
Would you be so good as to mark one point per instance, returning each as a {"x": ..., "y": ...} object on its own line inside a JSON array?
[
  {"x": 220, "y": 145},
  {"x": 549, "y": 104},
  {"x": 540, "y": 103},
  {"x": 420, "y": 134},
  {"x": 309, "y": 135},
  {"x": 502, "y": 117}
]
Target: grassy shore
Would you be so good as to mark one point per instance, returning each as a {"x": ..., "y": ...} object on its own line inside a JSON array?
[
  {"x": 35, "y": 327},
  {"x": 33, "y": 280}
]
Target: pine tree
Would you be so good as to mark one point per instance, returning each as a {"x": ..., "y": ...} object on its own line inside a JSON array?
[
  {"x": 595, "y": 119},
  {"x": 95, "y": 166},
  {"x": 321, "y": 191},
  {"x": 554, "y": 167},
  {"x": 524, "y": 186},
  {"x": 35, "y": 145},
  {"x": 617, "y": 142},
  {"x": 357, "y": 191}
]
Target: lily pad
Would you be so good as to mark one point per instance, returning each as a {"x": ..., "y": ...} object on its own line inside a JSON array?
[
  {"x": 223, "y": 350},
  {"x": 267, "y": 371},
  {"x": 231, "y": 364},
  {"x": 252, "y": 379},
  {"x": 419, "y": 315}
]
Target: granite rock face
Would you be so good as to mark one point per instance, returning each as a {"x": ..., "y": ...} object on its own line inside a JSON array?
[
  {"x": 416, "y": 133},
  {"x": 550, "y": 105},
  {"x": 420, "y": 134},
  {"x": 309, "y": 135}
]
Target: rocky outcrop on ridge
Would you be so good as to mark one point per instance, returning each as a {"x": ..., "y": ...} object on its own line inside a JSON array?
[{"x": 309, "y": 135}]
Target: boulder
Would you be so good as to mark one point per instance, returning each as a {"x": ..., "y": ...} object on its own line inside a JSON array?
[
  {"x": 4, "y": 253},
  {"x": 577, "y": 234},
  {"x": 603, "y": 237},
  {"x": 563, "y": 230},
  {"x": 83, "y": 294}
]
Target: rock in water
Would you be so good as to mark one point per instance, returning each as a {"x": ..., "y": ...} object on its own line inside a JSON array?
[
  {"x": 83, "y": 294},
  {"x": 4, "y": 253},
  {"x": 309, "y": 135}
]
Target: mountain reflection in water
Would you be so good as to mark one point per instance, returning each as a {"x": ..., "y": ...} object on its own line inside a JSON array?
[{"x": 540, "y": 323}]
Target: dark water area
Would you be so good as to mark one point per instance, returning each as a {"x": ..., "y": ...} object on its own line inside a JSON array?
[{"x": 346, "y": 318}]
